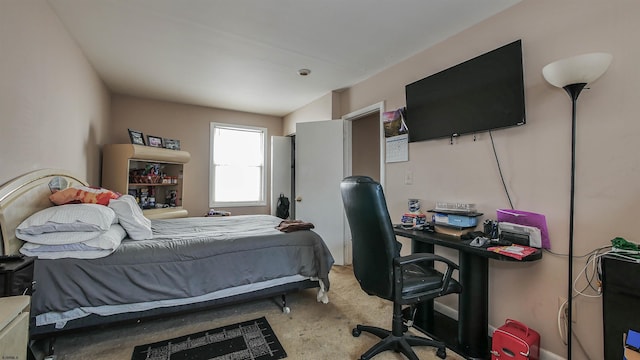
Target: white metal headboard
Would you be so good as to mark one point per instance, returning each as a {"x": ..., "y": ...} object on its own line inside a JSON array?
[{"x": 23, "y": 196}]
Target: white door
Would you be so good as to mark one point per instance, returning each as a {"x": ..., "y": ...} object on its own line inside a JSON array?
[
  {"x": 319, "y": 168},
  {"x": 280, "y": 170}
]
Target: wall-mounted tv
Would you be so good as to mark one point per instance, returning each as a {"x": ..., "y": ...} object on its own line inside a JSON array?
[{"x": 480, "y": 94}]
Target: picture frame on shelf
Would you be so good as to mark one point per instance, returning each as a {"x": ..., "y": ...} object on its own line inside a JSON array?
[
  {"x": 171, "y": 144},
  {"x": 154, "y": 141},
  {"x": 137, "y": 138}
]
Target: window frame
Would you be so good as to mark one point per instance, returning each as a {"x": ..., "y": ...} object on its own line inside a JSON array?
[{"x": 263, "y": 188}]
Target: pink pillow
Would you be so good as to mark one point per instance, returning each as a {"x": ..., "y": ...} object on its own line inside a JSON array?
[{"x": 83, "y": 194}]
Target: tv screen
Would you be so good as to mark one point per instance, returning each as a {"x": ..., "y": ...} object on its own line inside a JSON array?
[{"x": 484, "y": 93}]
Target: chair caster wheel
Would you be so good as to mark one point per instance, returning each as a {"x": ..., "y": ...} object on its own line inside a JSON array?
[
  {"x": 355, "y": 332},
  {"x": 286, "y": 310},
  {"x": 442, "y": 353}
]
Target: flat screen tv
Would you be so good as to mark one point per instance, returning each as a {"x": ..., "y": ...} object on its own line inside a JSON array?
[{"x": 480, "y": 94}]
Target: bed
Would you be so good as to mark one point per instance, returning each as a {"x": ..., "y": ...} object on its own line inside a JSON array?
[{"x": 189, "y": 264}]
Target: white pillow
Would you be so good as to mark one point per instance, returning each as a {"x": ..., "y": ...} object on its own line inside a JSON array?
[
  {"x": 107, "y": 240},
  {"x": 102, "y": 245},
  {"x": 60, "y": 238},
  {"x": 131, "y": 217},
  {"x": 71, "y": 217}
]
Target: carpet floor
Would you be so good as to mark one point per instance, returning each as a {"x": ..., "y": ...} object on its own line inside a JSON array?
[{"x": 311, "y": 331}]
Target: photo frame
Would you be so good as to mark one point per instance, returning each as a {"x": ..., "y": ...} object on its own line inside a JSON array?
[
  {"x": 137, "y": 138},
  {"x": 171, "y": 144},
  {"x": 154, "y": 141}
]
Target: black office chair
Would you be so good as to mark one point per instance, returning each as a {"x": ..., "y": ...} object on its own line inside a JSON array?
[{"x": 382, "y": 272}]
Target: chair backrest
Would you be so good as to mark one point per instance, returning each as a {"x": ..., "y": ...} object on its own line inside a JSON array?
[{"x": 374, "y": 242}]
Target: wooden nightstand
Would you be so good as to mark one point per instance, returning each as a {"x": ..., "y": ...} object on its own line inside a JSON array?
[
  {"x": 16, "y": 276},
  {"x": 14, "y": 327}
]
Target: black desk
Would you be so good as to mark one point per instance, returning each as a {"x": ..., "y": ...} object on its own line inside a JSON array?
[{"x": 472, "y": 337}]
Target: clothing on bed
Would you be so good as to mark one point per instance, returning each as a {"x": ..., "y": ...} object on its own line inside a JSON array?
[
  {"x": 83, "y": 194},
  {"x": 294, "y": 225}
]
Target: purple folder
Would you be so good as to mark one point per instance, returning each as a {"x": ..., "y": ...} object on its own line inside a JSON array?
[{"x": 529, "y": 219}]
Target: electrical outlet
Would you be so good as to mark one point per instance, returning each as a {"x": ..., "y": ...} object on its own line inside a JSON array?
[
  {"x": 408, "y": 177},
  {"x": 563, "y": 306}
]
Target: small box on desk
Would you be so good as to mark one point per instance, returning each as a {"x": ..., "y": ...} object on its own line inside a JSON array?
[
  {"x": 453, "y": 230},
  {"x": 454, "y": 223},
  {"x": 455, "y": 220},
  {"x": 16, "y": 276},
  {"x": 411, "y": 219}
]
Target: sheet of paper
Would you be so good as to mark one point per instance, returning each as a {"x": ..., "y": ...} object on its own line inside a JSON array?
[{"x": 397, "y": 148}]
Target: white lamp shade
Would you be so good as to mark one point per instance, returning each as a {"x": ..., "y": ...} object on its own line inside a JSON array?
[{"x": 581, "y": 69}]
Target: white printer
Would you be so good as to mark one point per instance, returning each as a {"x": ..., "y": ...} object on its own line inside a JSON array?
[{"x": 520, "y": 234}]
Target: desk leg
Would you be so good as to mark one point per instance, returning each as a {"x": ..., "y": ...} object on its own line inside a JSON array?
[
  {"x": 421, "y": 247},
  {"x": 424, "y": 311},
  {"x": 473, "y": 317}
]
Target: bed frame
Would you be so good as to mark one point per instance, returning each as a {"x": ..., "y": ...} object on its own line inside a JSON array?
[
  {"x": 29, "y": 193},
  {"x": 24, "y": 196}
]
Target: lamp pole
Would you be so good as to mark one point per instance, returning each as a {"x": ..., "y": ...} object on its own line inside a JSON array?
[
  {"x": 573, "y": 74},
  {"x": 574, "y": 91}
]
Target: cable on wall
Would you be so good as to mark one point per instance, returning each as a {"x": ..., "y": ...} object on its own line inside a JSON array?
[
  {"x": 495, "y": 154},
  {"x": 589, "y": 254},
  {"x": 593, "y": 278}
]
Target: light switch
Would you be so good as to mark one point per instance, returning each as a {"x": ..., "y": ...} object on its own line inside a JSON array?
[{"x": 408, "y": 177}]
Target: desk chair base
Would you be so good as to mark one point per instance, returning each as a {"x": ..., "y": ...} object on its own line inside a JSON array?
[{"x": 402, "y": 343}]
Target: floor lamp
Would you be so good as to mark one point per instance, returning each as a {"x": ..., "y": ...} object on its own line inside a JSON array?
[{"x": 573, "y": 74}]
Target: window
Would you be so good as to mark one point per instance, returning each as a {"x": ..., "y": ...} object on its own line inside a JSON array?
[{"x": 237, "y": 167}]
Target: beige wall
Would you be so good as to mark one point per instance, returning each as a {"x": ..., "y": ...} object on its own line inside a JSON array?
[
  {"x": 326, "y": 107},
  {"x": 535, "y": 158},
  {"x": 54, "y": 110},
  {"x": 190, "y": 124}
]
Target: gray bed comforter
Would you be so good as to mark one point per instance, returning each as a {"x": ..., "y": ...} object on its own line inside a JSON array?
[{"x": 187, "y": 257}]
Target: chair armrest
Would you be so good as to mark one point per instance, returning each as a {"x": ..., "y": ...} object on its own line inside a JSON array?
[
  {"x": 401, "y": 261},
  {"x": 419, "y": 257}
]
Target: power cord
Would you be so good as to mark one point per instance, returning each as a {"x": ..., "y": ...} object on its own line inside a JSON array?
[
  {"x": 564, "y": 340},
  {"x": 593, "y": 280},
  {"x": 562, "y": 325},
  {"x": 576, "y": 256},
  {"x": 595, "y": 264},
  {"x": 495, "y": 154},
  {"x": 593, "y": 257}
]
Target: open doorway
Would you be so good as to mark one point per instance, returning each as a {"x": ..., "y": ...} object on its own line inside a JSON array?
[
  {"x": 365, "y": 150},
  {"x": 321, "y": 154},
  {"x": 366, "y": 146},
  {"x": 365, "y": 153}
]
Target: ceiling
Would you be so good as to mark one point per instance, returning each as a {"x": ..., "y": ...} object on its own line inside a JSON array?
[{"x": 245, "y": 55}]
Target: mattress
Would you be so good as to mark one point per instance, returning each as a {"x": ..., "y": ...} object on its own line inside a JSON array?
[{"x": 186, "y": 259}]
